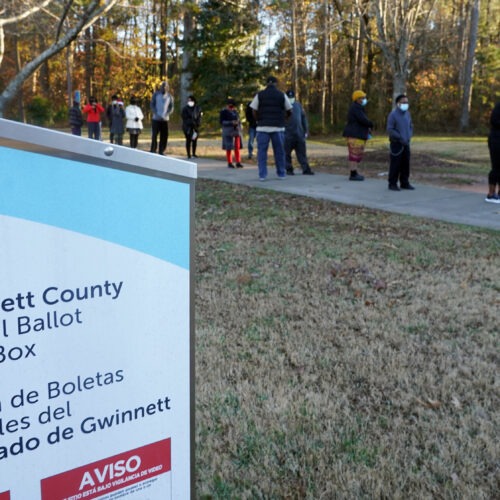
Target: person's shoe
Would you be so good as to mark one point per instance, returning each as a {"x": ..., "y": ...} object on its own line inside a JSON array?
[
  {"x": 356, "y": 177},
  {"x": 281, "y": 177},
  {"x": 308, "y": 172},
  {"x": 239, "y": 165},
  {"x": 230, "y": 165},
  {"x": 393, "y": 187},
  {"x": 195, "y": 156},
  {"x": 262, "y": 179},
  {"x": 407, "y": 186},
  {"x": 492, "y": 198},
  {"x": 249, "y": 157},
  {"x": 290, "y": 171}
]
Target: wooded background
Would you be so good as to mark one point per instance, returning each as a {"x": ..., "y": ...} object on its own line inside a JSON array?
[{"x": 444, "y": 54}]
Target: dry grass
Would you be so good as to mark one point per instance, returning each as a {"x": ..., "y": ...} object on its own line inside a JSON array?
[{"x": 342, "y": 352}]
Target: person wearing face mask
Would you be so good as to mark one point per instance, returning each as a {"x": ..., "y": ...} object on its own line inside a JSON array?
[
  {"x": 357, "y": 131},
  {"x": 296, "y": 131},
  {"x": 191, "y": 121},
  {"x": 116, "y": 120},
  {"x": 400, "y": 130},
  {"x": 232, "y": 138},
  {"x": 162, "y": 106}
]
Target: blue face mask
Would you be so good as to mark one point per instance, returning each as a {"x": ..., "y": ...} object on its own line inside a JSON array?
[
  {"x": 404, "y": 106},
  {"x": 364, "y": 101}
]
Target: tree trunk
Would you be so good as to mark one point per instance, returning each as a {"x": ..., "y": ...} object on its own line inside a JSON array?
[
  {"x": 186, "y": 75},
  {"x": 469, "y": 67}
]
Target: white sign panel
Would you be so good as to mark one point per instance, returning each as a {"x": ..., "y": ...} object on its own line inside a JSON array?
[{"x": 95, "y": 325}]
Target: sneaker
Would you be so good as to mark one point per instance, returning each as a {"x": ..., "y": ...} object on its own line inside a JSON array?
[
  {"x": 239, "y": 165},
  {"x": 230, "y": 165},
  {"x": 281, "y": 177},
  {"x": 290, "y": 171},
  {"x": 393, "y": 187},
  {"x": 262, "y": 179},
  {"x": 356, "y": 177},
  {"x": 492, "y": 198},
  {"x": 407, "y": 186},
  {"x": 308, "y": 172}
]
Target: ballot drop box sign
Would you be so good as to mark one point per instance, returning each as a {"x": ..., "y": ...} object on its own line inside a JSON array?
[{"x": 96, "y": 319}]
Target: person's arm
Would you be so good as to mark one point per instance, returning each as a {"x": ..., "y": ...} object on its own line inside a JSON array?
[
  {"x": 305, "y": 123},
  {"x": 392, "y": 128},
  {"x": 361, "y": 118}
]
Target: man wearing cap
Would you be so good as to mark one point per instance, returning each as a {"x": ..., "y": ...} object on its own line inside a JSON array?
[
  {"x": 162, "y": 106},
  {"x": 271, "y": 108},
  {"x": 296, "y": 131}
]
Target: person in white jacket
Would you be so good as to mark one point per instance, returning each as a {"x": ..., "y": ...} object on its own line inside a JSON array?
[{"x": 134, "y": 116}]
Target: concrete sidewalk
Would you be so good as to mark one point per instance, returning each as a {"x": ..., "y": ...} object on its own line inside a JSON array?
[{"x": 426, "y": 201}]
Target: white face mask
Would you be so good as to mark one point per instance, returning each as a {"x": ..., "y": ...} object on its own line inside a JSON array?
[
  {"x": 364, "y": 101},
  {"x": 291, "y": 99},
  {"x": 113, "y": 102},
  {"x": 404, "y": 106},
  {"x": 190, "y": 104}
]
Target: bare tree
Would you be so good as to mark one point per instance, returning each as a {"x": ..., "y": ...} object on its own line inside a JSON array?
[
  {"x": 83, "y": 18},
  {"x": 398, "y": 23}
]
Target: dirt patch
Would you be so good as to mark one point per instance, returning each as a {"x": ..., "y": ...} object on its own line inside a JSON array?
[{"x": 426, "y": 168}]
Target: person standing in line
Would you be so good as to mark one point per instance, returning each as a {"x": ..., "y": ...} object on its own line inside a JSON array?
[
  {"x": 494, "y": 148},
  {"x": 252, "y": 129},
  {"x": 162, "y": 106},
  {"x": 296, "y": 132},
  {"x": 232, "y": 138},
  {"x": 357, "y": 131},
  {"x": 400, "y": 130},
  {"x": 271, "y": 108},
  {"x": 75, "y": 116},
  {"x": 134, "y": 116},
  {"x": 93, "y": 110},
  {"x": 191, "y": 121},
  {"x": 116, "y": 117}
]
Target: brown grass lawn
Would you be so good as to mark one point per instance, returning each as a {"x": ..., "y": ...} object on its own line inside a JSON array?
[{"x": 342, "y": 352}]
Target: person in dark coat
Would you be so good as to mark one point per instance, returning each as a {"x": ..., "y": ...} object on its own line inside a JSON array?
[
  {"x": 494, "y": 148},
  {"x": 76, "y": 118},
  {"x": 357, "y": 131},
  {"x": 232, "y": 138},
  {"x": 191, "y": 121},
  {"x": 252, "y": 129},
  {"x": 116, "y": 120},
  {"x": 296, "y": 132}
]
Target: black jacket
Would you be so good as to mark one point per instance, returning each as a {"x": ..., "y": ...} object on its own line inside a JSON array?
[{"x": 358, "y": 124}]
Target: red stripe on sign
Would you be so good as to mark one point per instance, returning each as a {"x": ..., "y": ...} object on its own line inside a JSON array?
[
  {"x": 5, "y": 495},
  {"x": 110, "y": 474}
]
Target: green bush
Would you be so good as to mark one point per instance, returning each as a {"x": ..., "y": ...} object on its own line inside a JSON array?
[{"x": 40, "y": 111}]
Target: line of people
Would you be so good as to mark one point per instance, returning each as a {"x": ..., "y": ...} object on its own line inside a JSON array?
[
  {"x": 274, "y": 117},
  {"x": 119, "y": 119}
]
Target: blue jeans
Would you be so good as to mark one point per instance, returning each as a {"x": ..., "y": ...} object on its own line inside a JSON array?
[
  {"x": 94, "y": 130},
  {"x": 277, "y": 140},
  {"x": 252, "y": 132}
]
